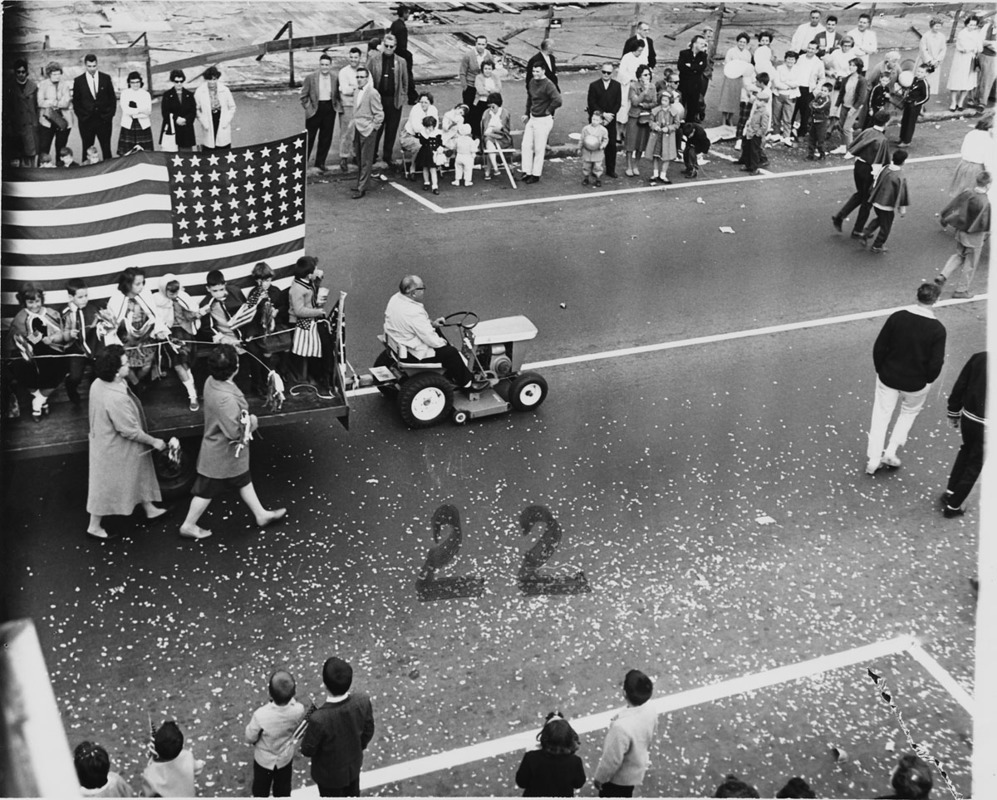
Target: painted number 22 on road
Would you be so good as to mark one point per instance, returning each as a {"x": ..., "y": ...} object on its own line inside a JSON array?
[{"x": 532, "y": 578}]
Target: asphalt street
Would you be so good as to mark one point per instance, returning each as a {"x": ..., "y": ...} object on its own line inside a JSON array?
[{"x": 712, "y": 495}]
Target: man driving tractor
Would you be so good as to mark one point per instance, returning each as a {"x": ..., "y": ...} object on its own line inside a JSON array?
[{"x": 407, "y": 323}]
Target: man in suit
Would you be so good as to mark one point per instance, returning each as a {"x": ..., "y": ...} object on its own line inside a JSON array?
[
  {"x": 338, "y": 732},
  {"x": 368, "y": 117},
  {"x": 320, "y": 99},
  {"x": 692, "y": 67},
  {"x": 389, "y": 76},
  {"x": 94, "y": 102},
  {"x": 400, "y": 31},
  {"x": 649, "y": 57},
  {"x": 545, "y": 58},
  {"x": 470, "y": 66},
  {"x": 606, "y": 95}
]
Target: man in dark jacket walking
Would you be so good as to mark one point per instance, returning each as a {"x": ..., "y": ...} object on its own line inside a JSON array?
[
  {"x": 338, "y": 732},
  {"x": 967, "y": 413},
  {"x": 908, "y": 355}
]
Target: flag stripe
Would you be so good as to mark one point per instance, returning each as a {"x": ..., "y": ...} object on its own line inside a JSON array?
[
  {"x": 117, "y": 212},
  {"x": 178, "y": 261},
  {"x": 138, "y": 238},
  {"x": 71, "y": 203},
  {"x": 57, "y": 186},
  {"x": 56, "y": 244}
]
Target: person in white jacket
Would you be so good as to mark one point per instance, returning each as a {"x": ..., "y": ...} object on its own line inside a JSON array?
[
  {"x": 136, "y": 113},
  {"x": 215, "y": 111},
  {"x": 625, "y": 756}
]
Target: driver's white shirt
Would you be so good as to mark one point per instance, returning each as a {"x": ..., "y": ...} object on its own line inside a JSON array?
[{"x": 406, "y": 321}]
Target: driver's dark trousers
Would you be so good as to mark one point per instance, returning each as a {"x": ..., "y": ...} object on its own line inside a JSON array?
[{"x": 453, "y": 364}]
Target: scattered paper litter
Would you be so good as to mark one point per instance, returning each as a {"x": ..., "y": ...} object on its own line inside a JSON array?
[{"x": 726, "y": 229}]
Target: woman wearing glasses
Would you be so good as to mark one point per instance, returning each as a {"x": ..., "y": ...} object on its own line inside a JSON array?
[
  {"x": 136, "y": 109},
  {"x": 179, "y": 113}
]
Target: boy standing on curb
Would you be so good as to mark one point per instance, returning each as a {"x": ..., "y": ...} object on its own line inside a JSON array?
[
  {"x": 338, "y": 732},
  {"x": 625, "y": 756}
]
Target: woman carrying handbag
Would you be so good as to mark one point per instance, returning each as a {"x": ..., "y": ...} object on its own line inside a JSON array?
[{"x": 179, "y": 113}]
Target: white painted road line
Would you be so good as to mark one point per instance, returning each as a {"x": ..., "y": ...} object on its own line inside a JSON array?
[
  {"x": 942, "y": 675},
  {"x": 718, "y": 337},
  {"x": 564, "y": 198},
  {"x": 525, "y": 740}
]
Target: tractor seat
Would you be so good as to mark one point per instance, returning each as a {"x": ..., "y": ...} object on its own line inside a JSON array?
[{"x": 400, "y": 352}]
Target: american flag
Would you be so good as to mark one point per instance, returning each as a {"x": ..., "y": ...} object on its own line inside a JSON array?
[{"x": 181, "y": 213}]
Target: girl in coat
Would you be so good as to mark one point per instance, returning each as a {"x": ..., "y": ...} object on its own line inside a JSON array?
[
  {"x": 664, "y": 123},
  {"x": 136, "y": 112},
  {"x": 179, "y": 113},
  {"x": 553, "y": 770},
  {"x": 132, "y": 317},
  {"x": 36, "y": 336},
  {"x": 122, "y": 475},
  {"x": 215, "y": 111},
  {"x": 223, "y": 463},
  {"x": 430, "y": 143}
]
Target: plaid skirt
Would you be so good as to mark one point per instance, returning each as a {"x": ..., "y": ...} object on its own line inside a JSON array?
[{"x": 134, "y": 136}]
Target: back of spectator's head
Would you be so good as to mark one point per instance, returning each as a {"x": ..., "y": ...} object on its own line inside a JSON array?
[
  {"x": 337, "y": 676},
  {"x": 373, "y": 44},
  {"x": 168, "y": 740},
  {"x": 212, "y": 74},
  {"x": 107, "y": 362},
  {"x": 223, "y": 362},
  {"x": 92, "y": 765},
  {"x": 546, "y": 44},
  {"x": 899, "y": 157},
  {"x": 984, "y": 178},
  {"x": 928, "y": 293},
  {"x": 912, "y": 778},
  {"x": 558, "y": 737},
  {"x": 305, "y": 266},
  {"x": 881, "y": 117},
  {"x": 637, "y": 687},
  {"x": 496, "y": 98},
  {"x": 735, "y": 787},
  {"x": 429, "y": 121},
  {"x": 281, "y": 687},
  {"x": 762, "y": 78},
  {"x": 215, "y": 278},
  {"x": 796, "y": 787}
]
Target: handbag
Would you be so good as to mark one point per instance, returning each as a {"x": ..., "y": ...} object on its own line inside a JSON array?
[
  {"x": 57, "y": 119},
  {"x": 644, "y": 118},
  {"x": 168, "y": 138}
]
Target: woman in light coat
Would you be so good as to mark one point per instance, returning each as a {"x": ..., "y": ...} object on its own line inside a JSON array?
[
  {"x": 122, "y": 475},
  {"x": 215, "y": 111},
  {"x": 136, "y": 116},
  {"x": 54, "y": 95},
  {"x": 962, "y": 74},
  {"x": 407, "y": 139},
  {"x": 931, "y": 53}
]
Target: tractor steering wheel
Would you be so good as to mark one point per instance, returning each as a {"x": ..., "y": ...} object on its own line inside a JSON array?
[{"x": 461, "y": 319}]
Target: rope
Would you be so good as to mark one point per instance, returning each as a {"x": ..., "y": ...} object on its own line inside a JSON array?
[{"x": 920, "y": 749}]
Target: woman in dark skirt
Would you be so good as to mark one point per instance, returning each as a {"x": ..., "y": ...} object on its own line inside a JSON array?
[
  {"x": 223, "y": 463},
  {"x": 136, "y": 113},
  {"x": 179, "y": 113}
]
